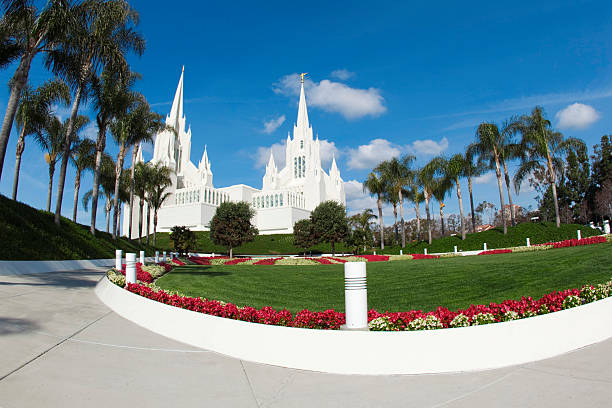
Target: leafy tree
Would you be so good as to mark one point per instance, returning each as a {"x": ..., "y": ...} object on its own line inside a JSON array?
[
  {"x": 231, "y": 225},
  {"x": 303, "y": 235},
  {"x": 486, "y": 206},
  {"x": 361, "y": 230},
  {"x": 330, "y": 223},
  {"x": 182, "y": 238}
]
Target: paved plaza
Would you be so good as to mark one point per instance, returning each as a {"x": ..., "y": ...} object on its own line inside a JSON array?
[{"x": 61, "y": 347}]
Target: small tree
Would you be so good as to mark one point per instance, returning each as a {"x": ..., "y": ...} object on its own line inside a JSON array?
[
  {"x": 303, "y": 235},
  {"x": 231, "y": 226},
  {"x": 330, "y": 223},
  {"x": 183, "y": 239}
]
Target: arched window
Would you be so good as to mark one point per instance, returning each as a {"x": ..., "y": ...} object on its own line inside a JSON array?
[
  {"x": 276, "y": 200},
  {"x": 281, "y": 200},
  {"x": 303, "y": 166},
  {"x": 295, "y": 167},
  {"x": 301, "y": 144}
]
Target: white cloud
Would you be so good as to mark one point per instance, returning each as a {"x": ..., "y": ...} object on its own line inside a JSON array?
[
  {"x": 327, "y": 150},
  {"x": 485, "y": 178},
  {"x": 263, "y": 155},
  {"x": 90, "y": 131},
  {"x": 429, "y": 146},
  {"x": 356, "y": 199},
  {"x": 369, "y": 155},
  {"x": 342, "y": 74},
  {"x": 352, "y": 103},
  {"x": 577, "y": 116},
  {"x": 273, "y": 124}
]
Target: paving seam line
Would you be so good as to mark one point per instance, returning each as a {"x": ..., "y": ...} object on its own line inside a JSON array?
[
  {"x": 575, "y": 377},
  {"x": 250, "y": 384},
  {"x": 55, "y": 345}
]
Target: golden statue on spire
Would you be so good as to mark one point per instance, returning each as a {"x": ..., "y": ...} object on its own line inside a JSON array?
[{"x": 302, "y": 75}]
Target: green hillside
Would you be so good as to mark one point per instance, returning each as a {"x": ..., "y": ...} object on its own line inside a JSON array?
[{"x": 31, "y": 234}]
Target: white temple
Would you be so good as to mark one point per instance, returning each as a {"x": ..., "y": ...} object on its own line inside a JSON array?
[{"x": 287, "y": 195}]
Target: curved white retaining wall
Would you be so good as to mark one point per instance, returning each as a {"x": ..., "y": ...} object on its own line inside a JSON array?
[{"x": 354, "y": 352}]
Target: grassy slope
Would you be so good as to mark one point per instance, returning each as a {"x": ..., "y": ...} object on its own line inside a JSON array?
[
  {"x": 283, "y": 243},
  {"x": 401, "y": 285},
  {"x": 31, "y": 234}
]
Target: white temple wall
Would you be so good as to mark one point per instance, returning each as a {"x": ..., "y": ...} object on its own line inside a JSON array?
[{"x": 278, "y": 220}]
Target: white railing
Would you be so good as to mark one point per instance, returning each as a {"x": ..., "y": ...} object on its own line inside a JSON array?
[
  {"x": 277, "y": 199},
  {"x": 195, "y": 195}
]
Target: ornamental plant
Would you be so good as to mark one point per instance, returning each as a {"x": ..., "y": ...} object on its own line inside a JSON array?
[
  {"x": 460, "y": 320},
  {"x": 231, "y": 225},
  {"x": 483, "y": 318},
  {"x": 571, "y": 301}
]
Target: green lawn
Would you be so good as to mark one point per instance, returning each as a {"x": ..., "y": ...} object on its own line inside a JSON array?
[{"x": 400, "y": 285}]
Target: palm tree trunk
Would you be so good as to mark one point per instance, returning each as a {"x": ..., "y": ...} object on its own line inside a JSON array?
[
  {"x": 442, "y": 218},
  {"x": 460, "y": 208},
  {"x": 134, "y": 152},
  {"x": 118, "y": 168},
  {"x": 66, "y": 153},
  {"x": 231, "y": 252},
  {"x": 501, "y": 192},
  {"x": 333, "y": 247},
  {"x": 553, "y": 178},
  {"x": 381, "y": 223},
  {"x": 395, "y": 223},
  {"x": 507, "y": 179},
  {"x": 428, "y": 217},
  {"x": 148, "y": 222},
  {"x": 118, "y": 226},
  {"x": 77, "y": 186},
  {"x": 418, "y": 217},
  {"x": 100, "y": 146},
  {"x": 19, "y": 80},
  {"x": 18, "y": 154},
  {"x": 472, "y": 204},
  {"x": 155, "y": 230},
  {"x": 50, "y": 190},
  {"x": 108, "y": 209},
  {"x": 401, "y": 203},
  {"x": 140, "y": 208}
]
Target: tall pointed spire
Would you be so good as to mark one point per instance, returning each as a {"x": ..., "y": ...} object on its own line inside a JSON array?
[
  {"x": 334, "y": 166},
  {"x": 204, "y": 163},
  {"x": 302, "y": 119},
  {"x": 271, "y": 163},
  {"x": 176, "y": 112}
]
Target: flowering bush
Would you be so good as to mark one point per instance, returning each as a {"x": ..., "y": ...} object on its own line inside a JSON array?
[
  {"x": 235, "y": 261},
  {"x": 296, "y": 261},
  {"x": 460, "y": 320},
  {"x": 425, "y": 323},
  {"x": 496, "y": 251},
  {"x": 374, "y": 258},
  {"x": 599, "y": 239},
  {"x": 571, "y": 301},
  {"x": 482, "y": 318},
  {"x": 154, "y": 270},
  {"x": 267, "y": 261},
  {"x": 177, "y": 262},
  {"x": 200, "y": 260},
  {"x": 382, "y": 323},
  {"x": 116, "y": 277},
  {"x": 140, "y": 274}
]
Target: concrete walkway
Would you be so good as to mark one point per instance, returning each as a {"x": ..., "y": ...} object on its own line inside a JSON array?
[{"x": 61, "y": 347}]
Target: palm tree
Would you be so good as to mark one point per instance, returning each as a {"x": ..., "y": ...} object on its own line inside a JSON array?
[
  {"x": 83, "y": 158},
  {"x": 26, "y": 32},
  {"x": 101, "y": 37},
  {"x": 457, "y": 167},
  {"x": 142, "y": 175},
  {"x": 397, "y": 172},
  {"x": 441, "y": 190},
  {"x": 376, "y": 186},
  {"x": 33, "y": 113},
  {"x": 160, "y": 180},
  {"x": 111, "y": 97},
  {"x": 544, "y": 149},
  {"x": 427, "y": 180},
  {"x": 363, "y": 221},
  {"x": 415, "y": 195},
  {"x": 107, "y": 184},
  {"x": 488, "y": 147},
  {"x": 472, "y": 169}
]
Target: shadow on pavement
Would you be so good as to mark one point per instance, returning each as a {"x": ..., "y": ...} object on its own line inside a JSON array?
[
  {"x": 81, "y": 279},
  {"x": 9, "y": 325}
]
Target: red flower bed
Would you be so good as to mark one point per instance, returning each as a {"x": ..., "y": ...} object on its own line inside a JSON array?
[
  {"x": 200, "y": 260},
  {"x": 423, "y": 256},
  {"x": 374, "y": 258},
  {"x": 331, "y": 319},
  {"x": 166, "y": 266},
  {"x": 267, "y": 261},
  {"x": 578, "y": 242},
  {"x": 179, "y": 263},
  {"x": 235, "y": 261},
  {"x": 140, "y": 274},
  {"x": 337, "y": 259},
  {"x": 496, "y": 251},
  {"x": 322, "y": 261}
]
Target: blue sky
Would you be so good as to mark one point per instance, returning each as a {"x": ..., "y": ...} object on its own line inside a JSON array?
[{"x": 385, "y": 79}]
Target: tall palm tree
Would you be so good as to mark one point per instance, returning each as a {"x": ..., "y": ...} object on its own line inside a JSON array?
[
  {"x": 544, "y": 149},
  {"x": 472, "y": 169},
  {"x": 510, "y": 150},
  {"x": 160, "y": 180},
  {"x": 457, "y": 168},
  {"x": 427, "y": 180},
  {"x": 376, "y": 186},
  {"x": 107, "y": 185},
  {"x": 33, "y": 113},
  {"x": 397, "y": 172},
  {"x": 102, "y": 36},
  {"x": 83, "y": 158},
  {"x": 142, "y": 176},
  {"x": 415, "y": 195},
  {"x": 139, "y": 124},
  {"x": 26, "y": 32},
  {"x": 441, "y": 190},
  {"x": 363, "y": 221},
  {"x": 488, "y": 147},
  {"x": 111, "y": 96}
]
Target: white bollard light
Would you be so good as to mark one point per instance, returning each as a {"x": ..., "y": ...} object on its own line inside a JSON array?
[
  {"x": 213, "y": 255},
  {"x": 156, "y": 257},
  {"x": 142, "y": 257},
  {"x": 425, "y": 251},
  {"x": 130, "y": 267},
  {"x": 578, "y": 233},
  {"x": 455, "y": 248},
  {"x": 485, "y": 246},
  {"x": 356, "y": 295},
  {"x": 606, "y": 227},
  {"x": 401, "y": 252},
  {"x": 374, "y": 252},
  {"x": 118, "y": 256},
  {"x": 528, "y": 243},
  {"x": 164, "y": 256}
]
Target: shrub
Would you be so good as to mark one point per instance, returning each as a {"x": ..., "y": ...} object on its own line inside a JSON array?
[
  {"x": 116, "y": 277},
  {"x": 183, "y": 239},
  {"x": 483, "y": 318},
  {"x": 430, "y": 322},
  {"x": 571, "y": 301},
  {"x": 460, "y": 320},
  {"x": 382, "y": 323}
]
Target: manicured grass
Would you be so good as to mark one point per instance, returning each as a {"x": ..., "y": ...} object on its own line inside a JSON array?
[
  {"x": 400, "y": 285},
  {"x": 31, "y": 234},
  {"x": 283, "y": 243}
]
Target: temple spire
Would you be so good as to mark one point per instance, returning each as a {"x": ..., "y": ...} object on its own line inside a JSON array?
[
  {"x": 204, "y": 163},
  {"x": 302, "y": 119},
  {"x": 176, "y": 112},
  {"x": 334, "y": 166},
  {"x": 271, "y": 163}
]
